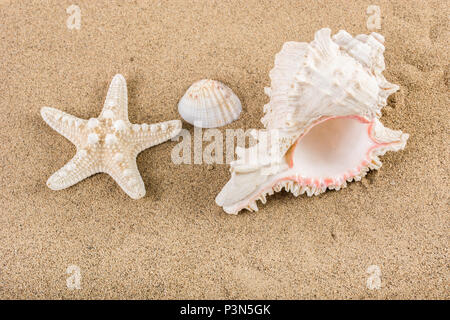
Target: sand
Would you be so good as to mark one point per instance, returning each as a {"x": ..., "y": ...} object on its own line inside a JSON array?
[{"x": 176, "y": 242}]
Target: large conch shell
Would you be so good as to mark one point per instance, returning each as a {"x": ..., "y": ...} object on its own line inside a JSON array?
[{"x": 323, "y": 121}]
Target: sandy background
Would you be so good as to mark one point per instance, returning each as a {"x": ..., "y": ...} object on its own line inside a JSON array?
[{"x": 175, "y": 242}]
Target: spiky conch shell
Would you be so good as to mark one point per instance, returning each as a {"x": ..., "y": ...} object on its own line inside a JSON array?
[{"x": 326, "y": 78}]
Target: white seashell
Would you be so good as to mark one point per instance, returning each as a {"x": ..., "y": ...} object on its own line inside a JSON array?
[
  {"x": 118, "y": 157},
  {"x": 110, "y": 139},
  {"x": 127, "y": 172},
  {"x": 322, "y": 119},
  {"x": 92, "y": 138},
  {"x": 92, "y": 123},
  {"x": 108, "y": 114},
  {"x": 209, "y": 104},
  {"x": 119, "y": 125},
  {"x": 82, "y": 153}
]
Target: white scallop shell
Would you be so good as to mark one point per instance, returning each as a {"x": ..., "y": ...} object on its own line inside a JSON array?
[
  {"x": 322, "y": 119},
  {"x": 209, "y": 104}
]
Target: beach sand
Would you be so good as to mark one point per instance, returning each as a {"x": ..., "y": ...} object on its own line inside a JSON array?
[{"x": 176, "y": 242}]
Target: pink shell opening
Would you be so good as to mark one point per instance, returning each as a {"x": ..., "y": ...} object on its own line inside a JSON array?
[{"x": 329, "y": 153}]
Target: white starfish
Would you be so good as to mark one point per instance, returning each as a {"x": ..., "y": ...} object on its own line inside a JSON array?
[{"x": 109, "y": 143}]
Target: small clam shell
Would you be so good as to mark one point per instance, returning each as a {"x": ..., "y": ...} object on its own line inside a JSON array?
[{"x": 209, "y": 104}]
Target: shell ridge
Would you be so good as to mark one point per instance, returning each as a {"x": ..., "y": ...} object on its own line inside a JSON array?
[
  {"x": 209, "y": 104},
  {"x": 225, "y": 110}
]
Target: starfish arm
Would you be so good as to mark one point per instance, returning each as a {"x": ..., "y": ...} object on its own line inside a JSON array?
[
  {"x": 145, "y": 136},
  {"x": 78, "y": 168},
  {"x": 116, "y": 102},
  {"x": 125, "y": 172},
  {"x": 64, "y": 123}
]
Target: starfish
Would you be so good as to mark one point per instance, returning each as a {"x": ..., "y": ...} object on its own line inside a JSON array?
[{"x": 109, "y": 143}]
